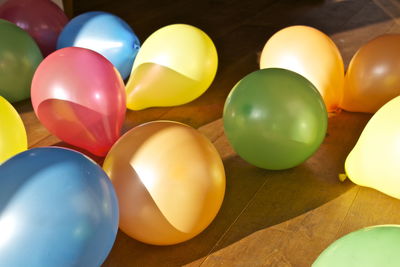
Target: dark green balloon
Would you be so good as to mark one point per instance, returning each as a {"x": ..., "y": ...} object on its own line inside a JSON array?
[
  {"x": 376, "y": 246},
  {"x": 19, "y": 58},
  {"x": 275, "y": 119}
]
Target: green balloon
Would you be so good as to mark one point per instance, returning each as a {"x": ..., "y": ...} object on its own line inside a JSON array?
[
  {"x": 275, "y": 119},
  {"x": 19, "y": 58},
  {"x": 375, "y": 246}
]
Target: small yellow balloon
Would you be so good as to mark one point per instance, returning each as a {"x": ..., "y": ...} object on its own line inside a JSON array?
[
  {"x": 13, "y": 139},
  {"x": 375, "y": 160},
  {"x": 174, "y": 66},
  {"x": 310, "y": 53},
  {"x": 169, "y": 179}
]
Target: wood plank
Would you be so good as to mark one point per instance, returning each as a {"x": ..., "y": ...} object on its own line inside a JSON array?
[
  {"x": 296, "y": 242},
  {"x": 370, "y": 207}
]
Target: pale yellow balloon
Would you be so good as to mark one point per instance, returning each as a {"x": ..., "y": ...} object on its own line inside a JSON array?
[
  {"x": 174, "y": 66},
  {"x": 375, "y": 160},
  {"x": 169, "y": 179},
  {"x": 310, "y": 53},
  {"x": 13, "y": 139}
]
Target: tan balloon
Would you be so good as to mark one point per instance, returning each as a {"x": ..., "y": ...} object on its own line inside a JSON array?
[
  {"x": 310, "y": 53},
  {"x": 169, "y": 179},
  {"x": 373, "y": 75}
]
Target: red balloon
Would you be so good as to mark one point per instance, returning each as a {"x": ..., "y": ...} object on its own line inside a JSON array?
[
  {"x": 80, "y": 97},
  {"x": 42, "y": 19}
]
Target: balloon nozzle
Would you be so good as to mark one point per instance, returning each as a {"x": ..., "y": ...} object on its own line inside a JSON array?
[{"x": 342, "y": 177}]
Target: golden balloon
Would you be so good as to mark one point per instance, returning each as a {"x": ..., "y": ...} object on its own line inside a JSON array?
[
  {"x": 310, "y": 53},
  {"x": 169, "y": 179},
  {"x": 373, "y": 76}
]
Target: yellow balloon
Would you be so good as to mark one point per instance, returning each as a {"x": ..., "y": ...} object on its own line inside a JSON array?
[
  {"x": 375, "y": 160},
  {"x": 169, "y": 179},
  {"x": 13, "y": 139},
  {"x": 175, "y": 65},
  {"x": 310, "y": 53}
]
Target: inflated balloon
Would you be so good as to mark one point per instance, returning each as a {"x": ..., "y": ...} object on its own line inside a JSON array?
[
  {"x": 79, "y": 96},
  {"x": 275, "y": 119},
  {"x": 175, "y": 65},
  {"x": 57, "y": 208},
  {"x": 310, "y": 53},
  {"x": 374, "y": 160},
  {"x": 42, "y": 19},
  {"x": 169, "y": 179},
  {"x": 104, "y": 33},
  {"x": 369, "y": 247},
  {"x": 373, "y": 76},
  {"x": 13, "y": 138},
  {"x": 19, "y": 58}
]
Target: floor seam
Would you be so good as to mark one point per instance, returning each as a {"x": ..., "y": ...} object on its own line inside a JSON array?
[
  {"x": 347, "y": 213},
  {"x": 231, "y": 225}
]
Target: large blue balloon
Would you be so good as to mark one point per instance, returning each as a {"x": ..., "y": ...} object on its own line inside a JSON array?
[
  {"x": 104, "y": 33},
  {"x": 57, "y": 208}
]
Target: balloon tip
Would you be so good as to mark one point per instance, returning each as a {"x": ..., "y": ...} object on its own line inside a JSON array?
[{"x": 342, "y": 177}]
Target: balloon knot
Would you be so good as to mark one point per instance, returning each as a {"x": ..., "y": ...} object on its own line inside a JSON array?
[{"x": 342, "y": 177}]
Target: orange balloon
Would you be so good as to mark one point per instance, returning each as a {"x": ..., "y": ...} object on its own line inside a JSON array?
[
  {"x": 310, "y": 53},
  {"x": 169, "y": 179},
  {"x": 373, "y": 76}
]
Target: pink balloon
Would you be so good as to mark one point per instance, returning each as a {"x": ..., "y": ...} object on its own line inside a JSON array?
[
  {"x": 42, "y": 19},
  {"x": 80, "y": 97}
]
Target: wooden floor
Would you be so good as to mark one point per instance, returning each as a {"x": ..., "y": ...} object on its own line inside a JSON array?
[{"x": 268, "y": 218}]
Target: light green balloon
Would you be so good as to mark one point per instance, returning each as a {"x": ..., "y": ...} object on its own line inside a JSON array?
[
  {"x": 19, "y": 58},
  {"x": 376, "y": 246},
  {"x": 275, "y": 119}
]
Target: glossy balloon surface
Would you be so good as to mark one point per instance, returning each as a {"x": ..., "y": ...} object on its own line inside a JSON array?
[
  {"x": 374, "y": 161},
  {"x": 169, "y": 179},
  {"x": 275, "y": 119},
  {"x": 369, "y": 247},
  {"x": 174, "y": 66},
  {"x": 373, "y": 75},
  {"x": 13, "y": 139},
  {"x": 310, "y": 53},
  {"x": 19, "y": 58},
  {"x": 42, "y": 19},
  {"x": 57, "y": 208},
  {"x": 80, "y": 97},
  {"x": 106, "y": 34}
]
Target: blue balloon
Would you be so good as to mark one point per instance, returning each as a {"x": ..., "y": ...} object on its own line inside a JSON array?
[
  {"x": 104, "y": 33},
  {"x": 57, "y": 208}
]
